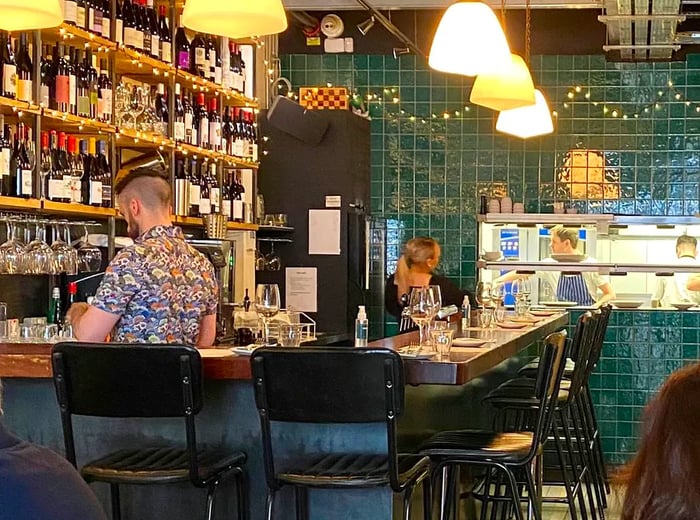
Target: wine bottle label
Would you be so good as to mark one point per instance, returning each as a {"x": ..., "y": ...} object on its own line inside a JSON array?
[
  {"x": 95, "y": 192},
  {"x": 155, "y": 46},
  {"x": 204, "y": 206},
  {"x": 182, "y": 203},
  {"x": 239, "y": 147},
  {"x": 97, "y": 21},
  {"x": 24, "y": 90},
  {"x": 93, "y": 103},
  {"x": 75, "y": 188},
  {"x": 56, "y": 189},
  {"x": 226, "y": 78},
  {"x": 179, "y": 130},
  {"x": 9, "y": 79},
  {"x": 166, "y": 52},
  {"x": 204, "y": 131},
  {"x": 80, "y": 17},
  {"x": 27, "y": 183},
  {"x": 200, "y": 59},
  {"x": 62, "y": 89},
  {"x": 195, "y": 192},
  {"x": 218, "y": 78},
  {"x": 226, "y": 208},
  {"x": 183, "y": 60},
  {"x": 5, "y": 157},
  {"x": 215, "y": 198},
  {"x": 106, "y": 27},
  {"x": 70, "y": 11},
  {"x": 194, "y": 140},
  {"x": 215, "y": 134},
  {"x": 83, "y": 106},
  {"x": 139, "y": 40},
  {"x": 72, "y": 93},
  {"x": 91, "y": 20},
  {"x": 147, "y": 40},
  {"x": 44, "y": 96},
  {"x": 119, "y": 30},
  {"x": 105, "y": 104},
  {"x": 237, "y": 209},
  {"x": 129, "y": 36},
  {"x": 254, "y": 152},
  {"x": 106, "y": 195}
]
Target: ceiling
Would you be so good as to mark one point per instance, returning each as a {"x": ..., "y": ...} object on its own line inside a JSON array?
[{"x": 636, "y": 30}]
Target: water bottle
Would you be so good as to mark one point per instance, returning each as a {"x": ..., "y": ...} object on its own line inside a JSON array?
[
  {"x": 466, "y": 312},
  {"x": 361, "y": 327}
]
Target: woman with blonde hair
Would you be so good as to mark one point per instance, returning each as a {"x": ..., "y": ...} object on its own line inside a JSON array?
[{"x": 415, "y": 268}]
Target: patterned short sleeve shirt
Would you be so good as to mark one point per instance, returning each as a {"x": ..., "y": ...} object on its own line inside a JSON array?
[{"x": 161, "y": 287}]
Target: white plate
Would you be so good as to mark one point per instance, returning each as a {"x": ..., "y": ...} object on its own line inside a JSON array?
[
  {"x": 244, "y": 351},
  {"x": 684, "y": 306},
  {"x": 215, "y": 352},
  {"x": 568, "y": 257},
  {"x": 468, "y": 342},
  {"x": 628, "y": 304},
  {"x": 559, "y": 304}
]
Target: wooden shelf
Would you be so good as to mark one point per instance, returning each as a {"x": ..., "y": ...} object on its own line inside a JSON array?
[
  {"x": 197, "y": 83},
  {"x": 198, "y": 221},
  {"x": 73, "y": 35},
  {"x": 129, "y": 62},
  {"x": 242, "y": 226},
  {"x": 19, "y": 203},
  {"x": 76, "y": 210},
  {"x": 62, "y": 121}
]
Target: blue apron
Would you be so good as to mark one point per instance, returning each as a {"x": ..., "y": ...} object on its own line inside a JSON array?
[{"x": 572, "y": 288}]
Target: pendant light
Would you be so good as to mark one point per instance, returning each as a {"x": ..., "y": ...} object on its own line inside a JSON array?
[
  {"x": 29, "y": 15},
  {"x": 532, "y": 120},
  {"x": 235, "y": 18},
  {"x": 469, "y": 40}
]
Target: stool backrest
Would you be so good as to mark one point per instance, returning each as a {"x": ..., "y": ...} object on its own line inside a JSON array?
[
  {"x": 581, "y": 346},
  {"x": 328, "y": 385},
  {"x": 597, "y": 341},
  {"x": 115, "y": 380}
]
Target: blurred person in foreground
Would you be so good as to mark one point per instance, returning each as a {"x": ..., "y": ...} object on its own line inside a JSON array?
[
  {"x": 663, "y": 480},
  {"x": 415, "y": 268},
  {"x": 38, "y": 484},
  {"x": 160, "y": 289}
]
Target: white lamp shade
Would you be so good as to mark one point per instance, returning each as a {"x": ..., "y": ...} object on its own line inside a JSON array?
[
  {"x": 17, "y": 15},
  {"x": 235, "y": 18},
  {"x": 505, "y": 90},
  {"x": 469, "y": 41},
  {"x": 529, "y": 121}
]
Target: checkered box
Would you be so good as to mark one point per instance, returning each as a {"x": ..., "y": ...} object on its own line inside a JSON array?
[{"x": 324, "y": 98}]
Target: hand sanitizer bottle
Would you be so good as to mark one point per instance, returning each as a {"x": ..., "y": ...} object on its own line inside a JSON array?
[
  {"x": 466, "y": 311},
  {"x": 361, "y": 327}
]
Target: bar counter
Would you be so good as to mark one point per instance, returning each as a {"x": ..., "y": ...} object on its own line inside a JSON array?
[{"x": 436, "y": 397}]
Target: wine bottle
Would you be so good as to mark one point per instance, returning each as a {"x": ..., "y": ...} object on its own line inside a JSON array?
[
  {"x": 212, "y": 58},
  {"x": 199, "y": 61},
  {"x": 72, "y": 81},
  {"x": 202, "y": 122},
  {"x": 83, "y": 85},
  {"x": 131, "y": 30},
  {"x": 153, "y": 29},
  {"x": 238, "y": 142},
  {"x": 25, "y": 70},
  {"x": 9, "y": 69},
  {"x": 47, "y": 90},
  {"x": 204, "y": 191},
  {"x": 95, "y": 16},
  {"x": 179, "y": 116},
  {"x": 70, "y": 11},
  {"x": 45, "y": 159},
  {"x": 93, "y": 77},
  {"x": 226, "y": 131},
  {"x": 107, "y": 18},
  {"x": 226, "y": 197},
  {"x": 214, "y": 190},
  {"x": 195, "y": 189},
  {"x": 182, "y": 203},
  {"x": 95, "y": 176},
  {"x": 55, "y": 182},
  {"x": 62, "y": 81},
  {"x": 166, "y": 49},
  {"x": 237, "y": 206},
  {"x": 106, "y": 174},
  {"x": 104, "y": 100},
  {"x": 81, "y": 14},
  {"x": 5, "y": 157},
  {"x": 214, "y": 126},
  {"x": 190, "y": 128},
  {"x": 76, "y": 168},
  {"x": 85, "y": 161},
  {"x": 225, "y": 55},
  {"x": 118, "y": 23},
  {"x": 253, "y": 132},
  {"x": 182, "y": 49},
  {"x": 161, "y": 107},
  {"x": 145, "y": 26}
]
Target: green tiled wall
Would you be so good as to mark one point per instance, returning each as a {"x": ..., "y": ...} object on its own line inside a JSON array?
[{"x": 433, "y": 154}]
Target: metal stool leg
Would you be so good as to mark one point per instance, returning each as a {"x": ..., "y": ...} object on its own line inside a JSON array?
[
  {"x": 301, "y": 494},
  {"x": 270, "y": 503},
  {"x": 427, "y": 499},
  {"x": 211, "y": 491},
  {"x": 116, "y": 507}
]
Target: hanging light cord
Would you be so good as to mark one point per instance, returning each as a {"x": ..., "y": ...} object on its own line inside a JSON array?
[{"x": 527, "y": 32}]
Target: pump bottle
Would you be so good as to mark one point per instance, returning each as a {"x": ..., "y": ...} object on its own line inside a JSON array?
[
  {"x": 361, "y": 327},
  {"x": 466, "y": 312}
]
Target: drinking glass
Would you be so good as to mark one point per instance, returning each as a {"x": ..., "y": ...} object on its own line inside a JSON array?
[
  {"x": 66, "y": 256},
  {"x": 290, "y": 334},
  {"x": 267, "y": 304},
  {"x": 12, "y": 251},
  {"x": 486, "y": 317},
  {"x": 498, "y": 294},
  {"x": 39, "y": 257},
  {"x": 442, "y": 339},
  {"x": 483, "y": 294},
  {"x": 421, "y": 307}
]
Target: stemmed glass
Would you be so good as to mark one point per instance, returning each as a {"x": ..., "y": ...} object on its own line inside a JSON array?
[
  {"x": 498, "y": 294},
  {"x": 11, "y": 252},
  {"x": 273, "y": 262},
  {"x": 421, "y": 305},
  {"x": 437, "y": 304},
  {"x": 89, "y": 256},
  {"x": 66, "y": 256},
  {"x": 39, "y": 257},
  {"x": 267, "y": 304}
]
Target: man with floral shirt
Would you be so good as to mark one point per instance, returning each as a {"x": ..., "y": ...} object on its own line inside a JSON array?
[{"x": 159, "y": 290}]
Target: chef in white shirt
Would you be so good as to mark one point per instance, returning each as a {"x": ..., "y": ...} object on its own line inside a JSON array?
[{"x": 682, "y": 287}]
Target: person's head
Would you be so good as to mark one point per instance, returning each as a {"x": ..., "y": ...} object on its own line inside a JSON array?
[
  {"x": 422, "y": 254},
  {"x": 563, "y": 240},
  {"x": 144, "y": 199},
  {"x": 663, "y": 480},
  {"x": 686, "y": 246}
]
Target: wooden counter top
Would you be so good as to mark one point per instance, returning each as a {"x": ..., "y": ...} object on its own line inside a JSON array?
[{"x": 32, "y": 360}]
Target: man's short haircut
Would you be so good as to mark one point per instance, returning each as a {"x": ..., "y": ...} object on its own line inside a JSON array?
[
  {"x": 564, "y": 233},
  {"x": 686, "y": 240},
  {"x": 149, "y": 185}
]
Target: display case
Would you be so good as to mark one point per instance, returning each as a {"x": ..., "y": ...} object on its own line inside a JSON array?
[{"x": 635, "y": 254}]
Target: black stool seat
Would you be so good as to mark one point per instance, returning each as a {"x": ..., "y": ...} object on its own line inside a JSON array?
[
  {"x": 158, "y": 465},
  {"x": 526, "y": 382},
  {"x": 530, "y": 370},
  {"x": 486, "y": 445},
  {"x": 353, "y": 470}
]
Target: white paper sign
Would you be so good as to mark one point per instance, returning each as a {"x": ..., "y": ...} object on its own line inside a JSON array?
[
  {"x": 300, "y": 289},
  {"x": 324, "y": 232},
  {"x": 333, "y": 201}
]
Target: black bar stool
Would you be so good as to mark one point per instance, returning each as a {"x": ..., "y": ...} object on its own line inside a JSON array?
[
  {"x": 326, "y": 385},
  {"x": 146, "y": 381}
]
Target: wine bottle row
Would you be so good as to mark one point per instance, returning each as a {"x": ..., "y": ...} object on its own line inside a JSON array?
[
  {"x": 198, "y": 191},
  {"x": 71, "y": 169},
  {"x": 138, "y": 26}
]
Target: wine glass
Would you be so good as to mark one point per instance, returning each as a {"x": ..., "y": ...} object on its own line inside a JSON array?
[
  {"x": 273, "y": 262},
  {"x": 12, "y": 251},
  {"x": 44, "y": 170},
  {"x": 89, "y": 256},
  {"x": 483, "y": 294},
  {"x": 421, "y": 307},
  {"x": 66, "y": 256},
  {"x": 498, "y": 295},
  {"x": 267, "y": 304},
  {"x": 437, "y": 304},
  {"x": 39, "y": 257}
]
